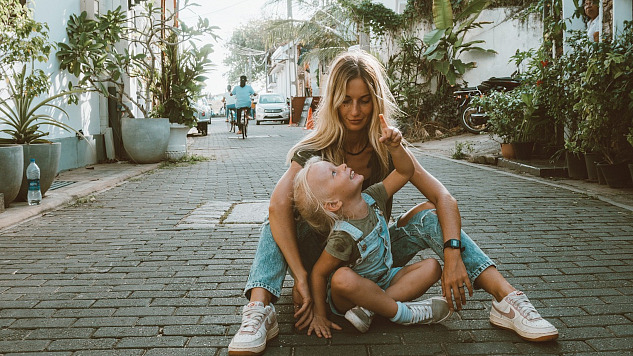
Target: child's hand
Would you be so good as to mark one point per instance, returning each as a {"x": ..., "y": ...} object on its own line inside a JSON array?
[
  {"x": 321, "y": 327},
  {"x": 391, "y": 136}
]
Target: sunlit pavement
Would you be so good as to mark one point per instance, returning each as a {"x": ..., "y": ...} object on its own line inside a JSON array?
[{"x": 156, "y": 265}]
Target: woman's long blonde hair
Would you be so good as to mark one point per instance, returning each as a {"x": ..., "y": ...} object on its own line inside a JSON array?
[
  {"x": 308, "y": 204},
  {"x": 329, "y": 133}
]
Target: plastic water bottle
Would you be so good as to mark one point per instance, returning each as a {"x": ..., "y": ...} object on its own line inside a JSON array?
[{"x": 34, "y": 195}]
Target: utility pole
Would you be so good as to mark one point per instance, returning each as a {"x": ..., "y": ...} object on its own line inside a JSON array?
[{"x": 292, "y": 62}]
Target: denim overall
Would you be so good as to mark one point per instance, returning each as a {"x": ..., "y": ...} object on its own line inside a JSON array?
[{"x": 375, "y": 262}]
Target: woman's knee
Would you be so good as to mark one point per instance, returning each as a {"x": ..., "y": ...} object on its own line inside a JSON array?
[
  {"x": 344, "y": 280},
  {"x": 404, "y": 219}
]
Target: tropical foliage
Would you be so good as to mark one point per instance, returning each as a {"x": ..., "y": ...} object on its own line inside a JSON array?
[
  {"x": 21, "y": 113},
  {"x": 23, "y": 42},
  {"x": 105, "y": 51},
  {"x": 248, "y": 48}
]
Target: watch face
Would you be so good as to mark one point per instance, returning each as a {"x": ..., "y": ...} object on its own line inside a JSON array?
[{"x": 455, "y": 243}]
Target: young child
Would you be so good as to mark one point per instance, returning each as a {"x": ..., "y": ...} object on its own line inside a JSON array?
[{"x": 330, "y": 199}]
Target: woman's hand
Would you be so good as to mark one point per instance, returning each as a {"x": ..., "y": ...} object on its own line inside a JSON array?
[
  {"x": 455, "y": 280},
  {"x": 391, "y": 136},
  {"x": 302, "y": 302},
  {"x": 321, "y": 327}
]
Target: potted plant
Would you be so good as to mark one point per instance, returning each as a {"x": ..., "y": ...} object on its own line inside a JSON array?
[
  {"x": 604, "y": 101},
  {"x": 511, "y": 119},
  {"x": 180, "y": 83},
  {"x": 24, "y": 41},
  {"x": 105, "y": 52}
]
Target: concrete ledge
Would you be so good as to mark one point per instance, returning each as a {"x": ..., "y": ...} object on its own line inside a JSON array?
[{"x": 536, "y": 168}]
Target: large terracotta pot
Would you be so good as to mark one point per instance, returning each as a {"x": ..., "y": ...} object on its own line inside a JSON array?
[
  {"x": 145, "y": 140},
  {"x": 12, "y": 168},
  {"x": 46, "y": 157}
]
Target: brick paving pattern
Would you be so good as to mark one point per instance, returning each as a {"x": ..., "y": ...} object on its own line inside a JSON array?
[{"x": 127, "y": 275}]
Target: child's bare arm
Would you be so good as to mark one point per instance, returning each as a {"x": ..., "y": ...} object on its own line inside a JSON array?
[
  {"x": 324, "y": 266},
  {"x": 402, "y": 161}
]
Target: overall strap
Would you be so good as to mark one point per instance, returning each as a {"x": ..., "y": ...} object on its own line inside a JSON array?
[
  {"x": 354, "y": 232},
  {"x": 368, "y": 198}
]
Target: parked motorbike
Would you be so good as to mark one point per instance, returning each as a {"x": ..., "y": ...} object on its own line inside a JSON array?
[{"x": 473, "y": 118}]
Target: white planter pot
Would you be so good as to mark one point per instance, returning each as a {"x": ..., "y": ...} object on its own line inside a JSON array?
[
  {"x": 145, "y": 140},
  {"x": 177, "y": 146},
  {"x": 46, "y": 157},
  {"x": 12, "y": 168}
]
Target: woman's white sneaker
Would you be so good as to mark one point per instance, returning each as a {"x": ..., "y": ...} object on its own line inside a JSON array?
[
  {"x": 515, "y": 312},
  {"x": 259, "y": 324},
  {"x": 360, "y": 317}
]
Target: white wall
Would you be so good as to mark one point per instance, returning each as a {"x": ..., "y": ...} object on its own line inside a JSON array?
[
  {"x": 84, "y": 116},
  {"x": 504, "y": 36},
  {"x": 622, "y": 11}
]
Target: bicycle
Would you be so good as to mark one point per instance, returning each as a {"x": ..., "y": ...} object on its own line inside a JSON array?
[
  {"x": 230, "y": 123},
  {"x": 242, "y": 123}
]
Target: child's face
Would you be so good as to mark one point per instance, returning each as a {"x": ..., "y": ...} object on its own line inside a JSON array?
[{"x": 334, "y": 182}]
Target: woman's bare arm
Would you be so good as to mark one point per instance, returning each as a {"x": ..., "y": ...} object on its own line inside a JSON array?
[{"x": 454, "y": 274}]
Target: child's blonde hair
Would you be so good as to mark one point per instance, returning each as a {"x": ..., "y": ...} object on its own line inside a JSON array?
[{"x": 308, "y": 204}]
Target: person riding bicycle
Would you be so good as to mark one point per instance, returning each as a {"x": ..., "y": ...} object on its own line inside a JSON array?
[
  {"x": 229, "y": 103},
  {"x": 243, "y": 94}
]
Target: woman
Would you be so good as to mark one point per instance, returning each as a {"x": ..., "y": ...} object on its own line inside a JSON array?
[{"x": 347, "y": 131}]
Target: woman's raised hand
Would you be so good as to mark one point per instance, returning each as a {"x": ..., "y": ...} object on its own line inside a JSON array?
[{"x": 391, "y": 136}]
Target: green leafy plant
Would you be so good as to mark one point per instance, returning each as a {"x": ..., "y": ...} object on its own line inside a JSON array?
[
  {"x": 446, "y": 42},
  {"x": 605, "y": 97},
  {"x": 511, "y": 114},
  {"x": 105, "y": 51},
  {"x": 187, "y": 160},
  {"x": 181, "y": 81},
  {"x": 20, "y": 109},
  {"x": 462, "y": 150},
  {"x": 24, "y": 41}
]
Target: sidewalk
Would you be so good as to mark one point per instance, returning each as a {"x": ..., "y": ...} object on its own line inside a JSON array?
[
  {"x": 74, "y": 184},
  {"x": 95, "y": 178},
  {"x": 485, "y": 149}
]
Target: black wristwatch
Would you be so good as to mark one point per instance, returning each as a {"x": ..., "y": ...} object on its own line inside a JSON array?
[{"x": 454, "y": 243}]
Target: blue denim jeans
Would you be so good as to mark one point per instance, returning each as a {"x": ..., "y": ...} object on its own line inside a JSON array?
[{"x": 422, "y": 231}]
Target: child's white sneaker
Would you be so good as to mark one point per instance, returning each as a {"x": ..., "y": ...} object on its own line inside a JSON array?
[
  {"x": 430, "y": 311},
  {"x": 515, "y": 312},
  {"x": 360, "y": 317}
]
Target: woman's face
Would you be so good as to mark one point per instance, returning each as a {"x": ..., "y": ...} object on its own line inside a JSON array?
[
  {"x": 591, "y": 10},
  {"x": 356, "y": 110}
]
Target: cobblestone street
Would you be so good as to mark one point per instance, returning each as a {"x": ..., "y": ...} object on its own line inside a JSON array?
[{"x": 156, "y": 266}]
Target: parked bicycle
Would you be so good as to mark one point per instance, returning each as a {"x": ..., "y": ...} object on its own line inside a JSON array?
[{"x": 473, "y": 118}]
